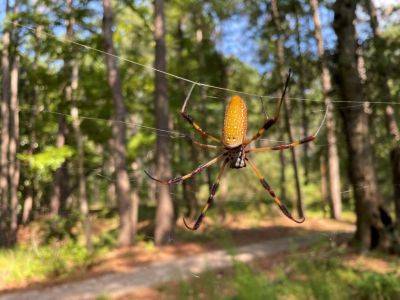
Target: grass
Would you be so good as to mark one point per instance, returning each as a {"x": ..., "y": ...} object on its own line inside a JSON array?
[
  {"x": 313, "y": 276},
  {"x": 29, "y": 263}
]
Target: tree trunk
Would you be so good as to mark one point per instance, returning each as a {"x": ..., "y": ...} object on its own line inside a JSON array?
[
  {"x": 30, "y": 186},
  {"x": 109, "y": 169},
  {"x": 5, "y": 138},
  {"x": 189, "y": 188},
  {"x": 280, "y": 56},
  {"x": 165, "y": 210},
  {"x": 380, "y": 70},
  {"x": 304, "y": 116},
  {"x": 72, "y": 66},
  {"x": 369, "y": 231},
  {"x": 58, "y": 201},
  {"x": 119, "y": 130},
  {"x": 13, "y": 148},
  {"x": 381, "y": 63},
  {"x": 59, "y": 196},
  {"x": 324, "y": 183},
  {"x": 282, "y": 160},
  {"x": 333, "y": 156},
  {"x": 395, "y": 159}
]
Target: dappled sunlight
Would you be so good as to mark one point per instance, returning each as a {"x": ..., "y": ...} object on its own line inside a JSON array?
[{"x": 196, "y": 149}]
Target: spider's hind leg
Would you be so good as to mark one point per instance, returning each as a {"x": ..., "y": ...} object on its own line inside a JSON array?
[
  {"x": 278, "y": 201},
  {"x": 210, "y": 200}
]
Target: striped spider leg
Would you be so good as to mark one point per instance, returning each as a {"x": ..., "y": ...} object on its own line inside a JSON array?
[
  {"x": 271, "y": 121},
  {"x": 179, "y": 179},
  {"x": 191, "y": 121},
  {"x": 210, "y": 200},
  {"x": 268, "y": 188}
]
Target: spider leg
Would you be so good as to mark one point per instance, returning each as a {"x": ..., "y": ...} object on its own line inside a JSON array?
[
  {"x": 271, "y": 121},
  {"x": 210, "y": 200},
  {"x": 187, "y": 176},
  {"x": 190, "y": 120},
  {"x": 268, "y": 188},
  {"x": 294, "y": 143},
  {"x": 283, "y": 146},
  {"x": 201, "y": 145}
]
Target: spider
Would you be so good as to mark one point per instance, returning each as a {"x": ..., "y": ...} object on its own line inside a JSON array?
[{"x": 234, "y": 146}]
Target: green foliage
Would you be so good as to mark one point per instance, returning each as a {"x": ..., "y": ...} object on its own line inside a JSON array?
[
  {"x": 59, "y": 227},
  {"x": 47, "y": 161},
  {"x": 41, "y": 262},
  {"x": 323, "y": 278},
  {"x": 378, "y": 286},
  {"x": 251, "y": 285},
  {"x": 195, "y": 32},
  {"x": 139, "y": 142}
]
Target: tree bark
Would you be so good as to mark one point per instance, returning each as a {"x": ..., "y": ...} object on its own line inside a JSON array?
[
  {"x": 395, "y": 159},
  {"x": 13, "y": 148},
  {"x": 304, "y": 116},
  {"x": 165, "y": 210},
  {"x": 189, "y": 188},
  {"x": 72, "y": 66},
  {"x": 383, "y": 86},
  {"x": 119, "y": 130},
  {"x": 333, "y": 156},
  {"x": 58, "y": 201},
  {"x": 282, "y": 160},
  {"x": 30, "y": 186},
  {"x": 5, "y": 138},
  {"x": 381, "y": 63},
  {"x": 324, "y": 183},
  {"x": 59, "y": 198},
  {"x": 369, "y": 231},
  {"x": 280, "y": 56}
]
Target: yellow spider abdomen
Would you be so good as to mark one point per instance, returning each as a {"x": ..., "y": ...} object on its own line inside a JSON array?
[{"x": 235, "y": 123}]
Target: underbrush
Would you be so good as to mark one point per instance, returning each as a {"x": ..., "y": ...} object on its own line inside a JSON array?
[
  {"x": 298, "y": 278},
  {"x": 30, "y": 263}
]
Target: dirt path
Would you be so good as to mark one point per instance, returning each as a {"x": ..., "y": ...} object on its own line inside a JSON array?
[{"x": 119, "y": 284}]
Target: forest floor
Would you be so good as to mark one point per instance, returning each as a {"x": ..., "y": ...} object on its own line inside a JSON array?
[{"x": 122, "y": 270}]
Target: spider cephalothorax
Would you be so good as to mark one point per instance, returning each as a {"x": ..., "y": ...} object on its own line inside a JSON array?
[
  {"x": 236, "y": 157},
  {"x": 233, "y": 144}
]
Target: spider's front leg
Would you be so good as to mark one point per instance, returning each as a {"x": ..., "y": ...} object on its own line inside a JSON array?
[
  {"x": 191, "y": 121},
  {"x": 271, "y": 121},
  {"x": 268, "y": 188},
  {"x": 201, "y": 145},
  {"x": 187, "y": 176},
  {"x": 210, "y": 200},
  {"x": 283, "y": 146},
  {"x": 291, "y": 144}
]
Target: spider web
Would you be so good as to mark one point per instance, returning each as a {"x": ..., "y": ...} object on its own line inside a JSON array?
[{"x": 212, "y": 99}]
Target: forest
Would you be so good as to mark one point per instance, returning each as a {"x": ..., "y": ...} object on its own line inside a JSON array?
[{"x": 114, "y": 127}]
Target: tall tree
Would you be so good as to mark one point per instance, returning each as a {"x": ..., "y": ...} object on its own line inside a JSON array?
[
  {"x": 165, "y": 209},
  {"x": 33, "y": 102},
  {"x": 395, "y": 159},
  {"x": 5, "y": 138},
  {"x": 119, "y": 130},
  {"x": 71, "y": 89},
  {"x": 304, "y": 104},
  {"x": 379, "y": 69},
  {"x": 280, "y": 63},
  {"x": 381, "y": 62},
  {"x": 370, "y": 230},
  {"x": 333, "y": 156},
  {"x": 61, "y": 176},
  {"x": 14, "y": 172}
]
